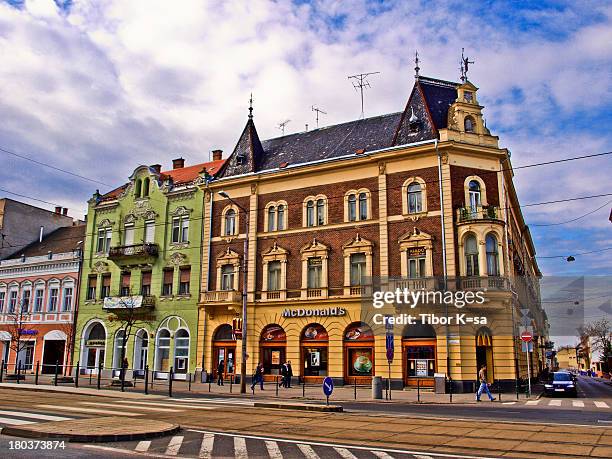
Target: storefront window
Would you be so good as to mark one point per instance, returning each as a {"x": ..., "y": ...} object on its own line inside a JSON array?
[
  {"x": 314, "y": 343},
  {"x": 162, "y": 360},
  {"x": 181, "y": 351},
  {"x": 421, "y": 361},
  {"x": 273, "y": 343},
  {"x": 359, "y": 350}
]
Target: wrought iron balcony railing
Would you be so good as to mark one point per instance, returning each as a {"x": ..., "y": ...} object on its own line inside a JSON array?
[
  {"x": 135, "y": 250},
  {"x": 466, "y": 214}
]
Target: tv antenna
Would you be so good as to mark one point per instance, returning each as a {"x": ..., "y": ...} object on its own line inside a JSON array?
[
  {"x": 282, "y": 125},
  {"x": 360, "y": 81},
  {"x": 317, "y": 110}
]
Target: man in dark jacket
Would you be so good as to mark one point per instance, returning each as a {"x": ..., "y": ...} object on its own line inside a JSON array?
[
  {"x": 283, "y": 372},
  {"x": 220, "y": 371},
  {"x": 258, "y": 377},
  {"x": 289, "y": 374}
]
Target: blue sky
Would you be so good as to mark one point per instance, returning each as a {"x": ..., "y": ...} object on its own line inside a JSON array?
[{"x": 98, "y": 87}]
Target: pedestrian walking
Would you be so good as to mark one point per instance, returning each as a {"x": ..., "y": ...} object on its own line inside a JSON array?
[
  {"x": 289, "y": 374},
  {"x": 220, "y": 371},
  {"x": 484, "y": 386},
  {"x": 283, "y": 372},
  {"x": 258, "y": 377}
]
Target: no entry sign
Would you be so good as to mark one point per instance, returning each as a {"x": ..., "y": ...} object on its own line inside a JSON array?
[{"x": 526, "y": 336}]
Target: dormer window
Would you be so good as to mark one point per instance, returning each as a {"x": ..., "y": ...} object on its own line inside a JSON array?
[
  {"x": 469, "y": 124},
  {"x": 240, "y": 160}
]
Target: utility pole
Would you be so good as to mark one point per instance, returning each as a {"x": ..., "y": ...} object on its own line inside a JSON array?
[{"x": 360, "y": 81}]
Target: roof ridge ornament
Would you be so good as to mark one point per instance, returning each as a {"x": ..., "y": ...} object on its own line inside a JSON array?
[
  {"x": 251, "y": 107},
  {"x": 465, "y": 63},
  {"x": 416, "y": 65}
]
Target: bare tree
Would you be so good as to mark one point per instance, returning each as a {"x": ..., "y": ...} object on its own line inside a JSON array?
[
  {"x": 131, "y": 313},
  {"x": 600, "y": 333},
  {"x": 19, "y": 325}
]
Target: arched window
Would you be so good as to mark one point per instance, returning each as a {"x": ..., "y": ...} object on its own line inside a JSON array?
[
  {"x": 141, "y": 350},
  {"x": 471, "y": 256},
  {"x": 138, "y": 188},
  {"x": 474, "y": 191},
  {"x": 280, "y": 215},
  {"x": 352, "y": 208},
  {"x": 320, "y": 212},
  {"x": 469, "y": 124},
  {"x": 230, "y": 222},
  {"x": 492, "y": 255},
  {"x": 310, "y": 220},
  {"x": 271, "y": 218},
  {"x": 119, "y": 347},
  {"x": 162, "y": 354},
  {"x": 363, "y": 206},
  {"x": 415, "y": 198},
  {"x": 145, "y": 187},
  {"x": 181, "y": 351}
]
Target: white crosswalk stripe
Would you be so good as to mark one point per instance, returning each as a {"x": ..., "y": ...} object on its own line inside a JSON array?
[
  {"x": 217, "y": 401},
  {"x": 345, "y": 453},
  {"x": 16, "y": 422},
  {"x": 382, "y": 454},
  {"x": 40, "y": 416},
  {"x": 134, "y": 406},
  {"x": 78, "y": 409},
  {"x": 599, "y": 404},
  {"x": 175, "y": 407},
  {"x": 273, "y": 450},
  {"x": 578, "y": 403},
  {"x": 240, "y": 449},
  {"x": 143, "y": 446},
  {"x": 175, "y": 445},
  {"x": 307, "y": 451},
  {"x": 532, "y": 402},
  {"x": 554, "y": 402},
  {"x": 207, "y": 446}
]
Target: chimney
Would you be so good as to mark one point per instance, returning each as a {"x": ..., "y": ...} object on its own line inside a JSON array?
[
  {"x": 156, "y": 168},
  {"x": 217, "y": 155},
  {"x": 178, "y": 163},
  {"x": 65, "y": 211},
  {"x": 58, "y": 209}
]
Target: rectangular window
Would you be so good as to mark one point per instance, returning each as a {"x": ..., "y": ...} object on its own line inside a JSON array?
[
  {"x": 91, "y": 287},
  {"x": 352, "y": 208},
  {"x": 227, "y": 277},
  {"x": 126, "y": 278},
  {"x": 53, "y": 298},
  {"x": 145, "y": 284},
  {"x": 38, "y": 300},
  {"x": 149, "y": 232},
  {"x": 416, "y": 267},
  {"x": 358, "y": 269},
  {"x": 363, "y": 206},
  {"x": 176, "y": 229},
  {"x": 315, "y": 265},
  {"x": 271, "y": 218},
  {"x": 280, "y": 217},
  {"x": 185, "y": 229},
  {"x": 12, "y": 301},
  {"x": 274, "y": 276},
  {"x": 180, "y": 229},
  {"x": 25, "y": 300},
  {"x": 320, "y": 212},
  {"x": 101, "y": 240},
  {"x": 128, "y": 235},
  {"x": 67, "y": 300},
  {"x": 167, "y": 287},
  {"x": 184, "y": 278},
  {"x": 2, "y": 299},
  {"x": 310, "y": 221},
  {"x": 106, "y": 283}
]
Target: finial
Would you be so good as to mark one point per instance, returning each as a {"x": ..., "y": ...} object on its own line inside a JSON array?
[
  {"x": 416, "y": 64},
  {"x": 251, "y": 107},
  {"x": 465, "y": 63},
  {"x": 413, "y": 117}
]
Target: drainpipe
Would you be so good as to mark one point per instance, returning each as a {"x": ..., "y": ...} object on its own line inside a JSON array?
[
  {"x": 444, "y": 267},
  {"x": 77, "y": 296},
  {"x": 210, "y": 227}
]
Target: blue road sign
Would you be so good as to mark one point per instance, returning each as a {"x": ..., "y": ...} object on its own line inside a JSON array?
[
  {"x": 390, "y": 347},
  {"x": 328, "y": 386}
]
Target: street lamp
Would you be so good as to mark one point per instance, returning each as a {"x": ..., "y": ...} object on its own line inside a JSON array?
[{"x": 224, "y": 194}]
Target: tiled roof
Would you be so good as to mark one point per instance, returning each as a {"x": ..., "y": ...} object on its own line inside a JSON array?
[
  {"x": 429, "y": 105},
  {"x": 62, "y": 240}
]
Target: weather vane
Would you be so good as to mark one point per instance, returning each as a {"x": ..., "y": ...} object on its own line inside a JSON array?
[
  {"x": 251, "y": 107},
  {"x": 465, "y": 63},
  {"x": 416, "y": 64}
]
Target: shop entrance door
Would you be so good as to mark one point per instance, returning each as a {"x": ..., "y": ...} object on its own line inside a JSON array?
[
  {"x": 95, "y": 357},
  {"x": 419, "y": 362},
  {"x": 53, "y": 353},
  {"x": 228, "y": 355},
  {"x": 272, "y": 358}
]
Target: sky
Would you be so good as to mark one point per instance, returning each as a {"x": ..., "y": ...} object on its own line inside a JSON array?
[{"x": 98, "y": 87}]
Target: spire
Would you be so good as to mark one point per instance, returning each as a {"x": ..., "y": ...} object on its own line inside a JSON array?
[
  {"x": 251, "y": 107},
  {"x": 416, "y": 64}
]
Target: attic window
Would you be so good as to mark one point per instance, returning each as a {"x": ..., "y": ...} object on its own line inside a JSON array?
[
  {"x": 469, "y": 124},
  {"x": 240, "y": 160}
]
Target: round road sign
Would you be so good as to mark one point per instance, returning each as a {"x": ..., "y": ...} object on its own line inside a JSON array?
[{"x": 526, "y": 336}]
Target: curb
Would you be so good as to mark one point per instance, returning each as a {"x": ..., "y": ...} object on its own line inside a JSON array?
[
  {"x": 23, "y": 431},
  {"x": 303, "y": 407}
]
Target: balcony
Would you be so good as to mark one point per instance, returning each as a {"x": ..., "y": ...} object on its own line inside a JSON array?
[
  {"x": 129, "y": 302},
  {"x": 484, "y": 283},
  {"x": 421, "y": 283},
  {"x": 223, "y": 296},
  {"x": 135, "y": 254},
  {"x": 469, "y": 214}
]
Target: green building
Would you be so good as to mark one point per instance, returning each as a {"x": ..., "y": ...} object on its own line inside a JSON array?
[{"x": 141, "y": 272}]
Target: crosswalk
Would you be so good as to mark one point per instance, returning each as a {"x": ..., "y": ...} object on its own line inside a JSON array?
[
  {"x": 210, "y": 445},
  {"x": 19, "y": 418},
  {"x": 565, "y": 403}
]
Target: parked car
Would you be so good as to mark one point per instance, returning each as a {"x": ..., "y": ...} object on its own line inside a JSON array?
[{"x": 561, "y": 383}]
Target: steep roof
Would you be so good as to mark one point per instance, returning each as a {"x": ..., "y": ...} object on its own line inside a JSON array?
[
  {"x": 429, "y": 102},
  {"x": 62, "y": 240}
]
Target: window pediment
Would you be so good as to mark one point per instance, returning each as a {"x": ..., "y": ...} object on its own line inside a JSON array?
[
  {"x": 105, "y": 223},
  {"x": 414, "y": 238},
  {"x": 358, "y": 244},
  {"x": 275, "y": 253},
  {"x": 314, "y": 249},
  {"x": 180, "y": 211},
  {"x": 229, "y": 257}
]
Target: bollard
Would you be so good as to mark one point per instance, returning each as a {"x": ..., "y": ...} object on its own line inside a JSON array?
[
  {"x": 517, "y": 388},
  {"x": 1, "y": 371},
  {"x": 355, "y": 387},
  {"x": 37, "y": 372},
  {"x": 56, "y": 372},
  {"x": 499, "y": 391},
  {"x": 18, "y": 371},
  {"x": 90, "y": 375},
  {"x": 146, "y": 381},
  {"x": 418, "y": 391},
  {"x": 170, "y": 378},
  {"x": 389, "y": 388},
  {"x": 377, "y": 388},
  {"x": 450, "y": 389},
  {"x": 209, "y": 380},
  {"x": 76, "y": 376},
  {"x": 276, "y": 385},
  {"x": 99, "y": 375},
  {"x": 303, "y": 388},
  {"x": 189, "y": 382},
  {"x": 231, "y": 382}
]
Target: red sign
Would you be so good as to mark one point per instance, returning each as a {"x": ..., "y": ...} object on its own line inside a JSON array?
[{"x": 526, "y": 336}]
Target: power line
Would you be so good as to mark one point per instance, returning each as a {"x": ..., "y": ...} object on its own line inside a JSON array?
[
  {"x": 573, "y": 219},
  {"x": 40, "y": 163},
  {"x": 575, "y": 254}
]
